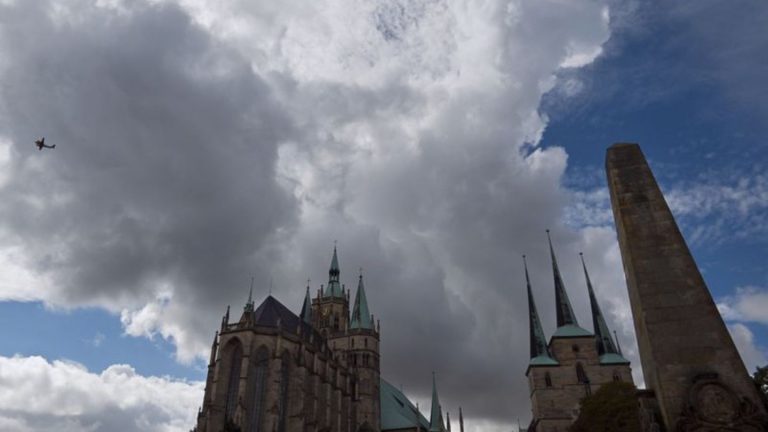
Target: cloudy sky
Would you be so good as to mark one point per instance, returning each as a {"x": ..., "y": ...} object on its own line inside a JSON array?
[{"x": 200, "y": 143}]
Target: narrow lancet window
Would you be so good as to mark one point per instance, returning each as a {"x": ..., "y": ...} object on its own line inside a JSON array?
[
  {"x": 233, "y": 383},
  {"x": 283, "y": 398},
  {"x": 258, "y": 380}
]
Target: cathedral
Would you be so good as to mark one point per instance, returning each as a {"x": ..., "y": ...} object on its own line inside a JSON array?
[
  {"x": 574, "y": 363},
  {"x": 318, "y": 371}
]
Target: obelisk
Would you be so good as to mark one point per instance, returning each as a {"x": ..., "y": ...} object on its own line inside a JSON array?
[{"x": 688, "y": 357}]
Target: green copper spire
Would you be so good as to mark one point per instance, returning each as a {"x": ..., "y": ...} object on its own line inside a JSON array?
[
  {"x": 539, "y": 350},
  {"x": 334, "y": 286},
  {"x": 565, "y": 315},
  {"x": 607, "y": 350},
  {"x": 306, "y": 309},
  {"x": 361, "y": 316},
  {"x": 436, "y": 416}
]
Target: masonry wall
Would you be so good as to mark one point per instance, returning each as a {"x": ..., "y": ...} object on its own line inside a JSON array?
[{"x": 681, "y": 337}]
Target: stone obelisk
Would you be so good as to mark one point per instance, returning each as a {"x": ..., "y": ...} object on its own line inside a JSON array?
[{"x": 689, "y": 359}]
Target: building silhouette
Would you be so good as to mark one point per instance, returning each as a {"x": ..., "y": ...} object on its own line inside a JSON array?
[
  {"x": 275, "y": 371},
  {"x": 574, "y": 363}
]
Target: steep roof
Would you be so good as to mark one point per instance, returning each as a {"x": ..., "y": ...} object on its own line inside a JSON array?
[
  {"x": 436, "y": 414},
  {"x": 565, "y": 315},
  {"x": 540, "y": 354},
  {"x": 361, "y": 316},
  {"x": 334, "y": 286},
  {"x": 397, "y": 412},
  {"x": 606, "y": 348},
  {"x": 306, "y": 309}
]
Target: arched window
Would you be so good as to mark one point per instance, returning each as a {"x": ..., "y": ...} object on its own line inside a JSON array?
[
  {"x": 547, "y": 380},
  {"x": 365, "y": 342},
  {"x": 258, "y": 378},
  {"x": 616, "y": 376},
  {"x": 233, "y": 383},
  {"x": 581, "y": 376},
  {"x": 282, "y": 408}
]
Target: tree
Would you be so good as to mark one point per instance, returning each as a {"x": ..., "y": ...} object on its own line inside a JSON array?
[
  {"x": 761, "y": 382},
  {"x": 761, "y": 378},
  {"x": 613, "y": 408}
]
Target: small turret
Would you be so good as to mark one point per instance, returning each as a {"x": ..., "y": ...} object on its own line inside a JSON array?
[{"x": 214, "y": 347}]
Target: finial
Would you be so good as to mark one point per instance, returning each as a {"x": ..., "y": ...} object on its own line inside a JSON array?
[
  {"x": 309, "y": 281},
  {"x": 270, "y": 285},
  {"x": 250, "y": 293},
  {"x": 361, "y": 272}
]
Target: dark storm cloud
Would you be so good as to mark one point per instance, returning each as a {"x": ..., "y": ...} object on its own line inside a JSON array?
[
  {"x": 164, "y": 168},
  {"x": 188, "y": 160}
]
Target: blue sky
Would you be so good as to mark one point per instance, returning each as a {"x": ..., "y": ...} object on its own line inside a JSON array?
[{"x": 200, "y": 144}]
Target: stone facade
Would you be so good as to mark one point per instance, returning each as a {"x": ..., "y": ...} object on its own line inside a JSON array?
[
  {"x": 285, "y": 377},
  {"x": 316, "y": 372},
  {"x": 689, "y": 359},
  {"x": 574, "y": 364}
]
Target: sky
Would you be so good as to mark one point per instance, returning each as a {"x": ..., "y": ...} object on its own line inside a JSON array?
[{"x": 203, "y": 143}]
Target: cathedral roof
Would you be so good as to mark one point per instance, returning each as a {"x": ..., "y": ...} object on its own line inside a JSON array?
[
  {"x": 270, "y": 311},
  {"x": 397, "y": 412}
]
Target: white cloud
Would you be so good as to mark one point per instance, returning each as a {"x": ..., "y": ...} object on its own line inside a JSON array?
[
  {"x": 36, "y": 394},
  {"x": 214, "y": 140},
  {"x": 751, "y": 354},
  {"x": 748, "y": 304}
]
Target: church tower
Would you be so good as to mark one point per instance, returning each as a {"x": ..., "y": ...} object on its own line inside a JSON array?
[
  {"x": 330, "y": 314},
  {"x": 574, "y": 364},
  {"x": 356, "y": 340}
]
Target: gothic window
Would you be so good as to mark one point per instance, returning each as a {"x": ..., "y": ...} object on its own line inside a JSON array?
[
  {"x": 233, "y": 383},
  {"x": 257, "y": 380},
  {"x": 365, "y": 341},
  {"x": 335, "y": 322},
  {"x": 581, "y": 376},
  {"x": 547, "y": 380},
  {"x": 353, "y": 342},
  {"x": 283, "y": 398},
  {"x": 575, "y": 348},
  {"x": 616, "y": 376}
]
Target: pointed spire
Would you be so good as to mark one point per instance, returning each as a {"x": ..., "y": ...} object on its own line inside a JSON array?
[
  {"x": 334, "y": 286},
  {"x": 215, "y": 345},
  {"x": 225, "y": 320},
  {"x": 436, "y": 416},
  {"x": 249, "y": 304},
  {"x": 461, "y": 420},
  {"x": 539, "y": 348},
  {"x": 605, "y": 343},
  {"x": 306, "y": 309},
  {"x": 448, "y": 420},
  {"x": 565, "y": 315},
  {"x": 361, "y": 317}
]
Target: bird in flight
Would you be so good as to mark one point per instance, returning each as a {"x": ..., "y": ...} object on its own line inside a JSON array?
[{"x": 41, "y": 144}]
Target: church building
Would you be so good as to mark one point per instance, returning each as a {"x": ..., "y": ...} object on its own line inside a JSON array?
[
  {"x": 574, "y": 363},
  {"x": 318, "y": 371}
]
